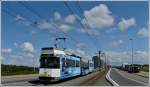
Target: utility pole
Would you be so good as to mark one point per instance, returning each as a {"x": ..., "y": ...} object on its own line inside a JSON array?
[
  {"x": 105, "y": 61},
  {"x": 34, "y": 41},
  {"x": 132, "y": 52},
  {"x": 99, "y": 53},
  {"x": 104, "y": 55},
  {"x": 34, "y": 61}
]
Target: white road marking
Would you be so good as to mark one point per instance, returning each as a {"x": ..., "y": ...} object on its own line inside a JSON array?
[
  {"x": 135, "y": 80},
  {"x": 138, "y": 81},
  {"x": 110, "y": 79}
]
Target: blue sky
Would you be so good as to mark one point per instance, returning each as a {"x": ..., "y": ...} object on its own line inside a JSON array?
[{"x": 24, "y": 33}]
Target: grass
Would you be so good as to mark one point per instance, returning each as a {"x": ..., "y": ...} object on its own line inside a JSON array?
[
  {"x": 146, "y": 69},
  {"x": 7, "y": 70}
]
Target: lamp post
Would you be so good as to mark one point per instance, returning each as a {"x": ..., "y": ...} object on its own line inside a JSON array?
[{"x": 132, "y": 52}]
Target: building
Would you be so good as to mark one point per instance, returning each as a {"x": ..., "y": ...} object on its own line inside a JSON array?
[{"x": 96, "y": 61}]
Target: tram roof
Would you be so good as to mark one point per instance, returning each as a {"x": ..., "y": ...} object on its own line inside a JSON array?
[
  {"x": 52, "y": 48},
  {"x": 58, "y": 50}
]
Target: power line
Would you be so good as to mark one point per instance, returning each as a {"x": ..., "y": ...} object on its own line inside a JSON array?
[
  {"x": 57, "y": 28},
  {"x": 65, "y": 3},
  {"x": 34, "y": 12},
  {"x": 12, "y": 15},
  {"x": 87, "y": 22}
]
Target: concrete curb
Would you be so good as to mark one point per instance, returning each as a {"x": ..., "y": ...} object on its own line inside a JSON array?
[
  {"x": 82, "y": 83},
  {"x": 110, "y": 80},
  {"x": 89, "y": 81}
]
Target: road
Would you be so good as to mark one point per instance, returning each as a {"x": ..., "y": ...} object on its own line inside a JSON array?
[
  {"x": 18, "y": 80},
  {"x": 124, "y": 78},
  {"x": 32, "y": 80},
  {"x": 98, "y": 80}
]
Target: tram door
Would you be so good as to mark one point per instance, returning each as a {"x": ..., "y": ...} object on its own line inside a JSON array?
[{"x": 64, "y": 67}]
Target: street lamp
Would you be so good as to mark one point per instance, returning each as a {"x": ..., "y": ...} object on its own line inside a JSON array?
[{"x": 132, "y": 51}]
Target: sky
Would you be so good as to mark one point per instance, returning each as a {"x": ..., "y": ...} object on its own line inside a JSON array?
[{"x": 87, "y": 26}]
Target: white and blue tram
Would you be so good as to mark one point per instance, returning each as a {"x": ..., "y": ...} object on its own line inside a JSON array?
[
  {"x": 55, "y": 64},
  {"x": 91, "y": 66}
]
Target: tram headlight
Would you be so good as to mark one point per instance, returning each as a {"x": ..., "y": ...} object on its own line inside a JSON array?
[{"x": 45, "y": 74}]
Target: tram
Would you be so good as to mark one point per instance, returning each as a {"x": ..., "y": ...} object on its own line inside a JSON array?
[{"x": 56, "y": 64}]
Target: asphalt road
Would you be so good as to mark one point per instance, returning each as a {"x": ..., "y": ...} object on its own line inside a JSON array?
[
  {"x": 124, "y": 78},
  {"x": 32, "y": 80},
  {"x": 18, "y": 78}
]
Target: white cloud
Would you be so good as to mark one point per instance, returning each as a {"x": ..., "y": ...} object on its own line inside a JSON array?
[
  {"x": 140, "y": 57},
  {"x": 117, "y": 42},
  {"x": 16, "y": 44},
  {"x": 24, "y": 56},
  {"x": 18, "y": 17},
  {"x": 80, "y": 45},
  {"x": 53, "y": 27},
  {"x": 70, "y": 19},
  {"x": 99, "y": 17},
  {"x": 20, "y": 59},
  {"x": 143, "y": 32},
  {"x": 89, "y": 31},
  {"x": 111, "y": 30},
  {"x": 22, "y": 20},
  {"x": 141, "y": 52},
  {"x": 114, "y": 56},
  {"x": 6, "y": 50},
  {"x": 27, "y": 47},
  {"x": 45, "y": 25},
  {"x": 78, "y": 52},
  {"x": 16, "y": 56},
  {"x": 57, "y": 16},
  {"x": 65, "y": 27},
  {"x": 126, "y": 23},
  {"x": 27, "y": 23}
]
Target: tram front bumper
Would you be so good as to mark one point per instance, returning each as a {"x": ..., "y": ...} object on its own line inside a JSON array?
[{"x": 49, "y": 79}]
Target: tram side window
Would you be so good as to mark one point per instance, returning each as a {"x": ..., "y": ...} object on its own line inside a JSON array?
[
  {"x": 85, "y": 64},
  {"x": 70, "y": 63},
  {"x": 63, "y": 62},
  {"x": 77, "y": 63},
  {"x": 91, "y": 65}
]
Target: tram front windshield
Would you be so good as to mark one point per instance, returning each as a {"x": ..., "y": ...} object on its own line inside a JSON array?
[{"x": 49, "y": 62}]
